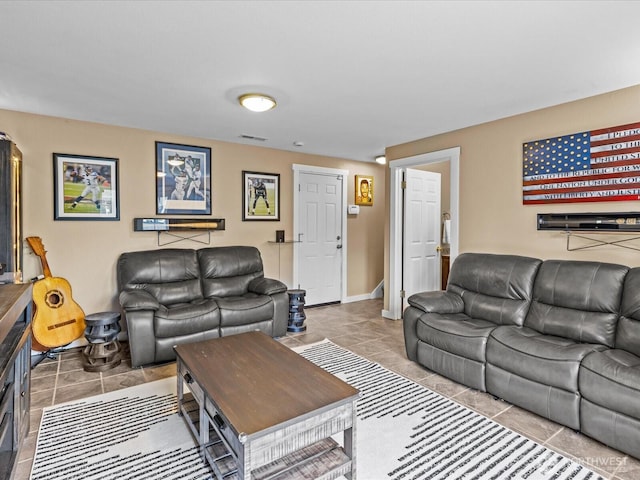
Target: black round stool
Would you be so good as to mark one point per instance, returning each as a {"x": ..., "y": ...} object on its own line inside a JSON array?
[
  {"x": 296, "y": 311},
  {"x": 103, "y": 351}
]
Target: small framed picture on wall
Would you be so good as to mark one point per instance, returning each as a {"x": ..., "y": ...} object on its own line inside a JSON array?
[
  {"x": 364, "y": 190},
  {"x": 85, "y": 188},
  {"x": 260, "y": 196}
]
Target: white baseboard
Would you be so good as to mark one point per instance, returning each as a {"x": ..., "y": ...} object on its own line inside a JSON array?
[
  {"x": 357, "y": 298},
  {"x": 389, "y": 315},
  {"x": 378, "y": 292}
]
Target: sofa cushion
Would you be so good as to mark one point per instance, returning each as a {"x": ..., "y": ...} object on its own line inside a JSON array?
[
  {"x": 544, "y": 359},
  {"x": 577, "y": 300},
  {"x": 186, "y": 318},
  {"x": 170, "y": 275},
  {"x": 245, "y": 309},
  {"x": 611, "y": 379},
  {"x": 455, "y": 333},
  {"x": 496, "y": 288},
  {"x": 228, "y": 271},
  {"x": 628, "y": 332}
]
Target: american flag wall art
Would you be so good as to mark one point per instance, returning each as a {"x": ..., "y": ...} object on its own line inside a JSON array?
[{"x": 597, "y": 166}]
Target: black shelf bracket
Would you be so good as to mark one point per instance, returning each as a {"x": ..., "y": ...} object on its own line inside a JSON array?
[
  {"x": 179, "y": 237},
  {"x": 598, "y": 242}
]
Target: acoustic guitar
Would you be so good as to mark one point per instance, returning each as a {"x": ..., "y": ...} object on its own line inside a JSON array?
[{"x": 58, "y": 320}]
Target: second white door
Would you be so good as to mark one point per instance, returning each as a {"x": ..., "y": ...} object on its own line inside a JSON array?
[{"x": 422, "y": 219}]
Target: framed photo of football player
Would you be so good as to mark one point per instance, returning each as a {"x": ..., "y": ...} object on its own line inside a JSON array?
[
  {"x": 260, "y": 196},
  {"x": 85, "y": 188},
  {"x": 183, "y": 179}
]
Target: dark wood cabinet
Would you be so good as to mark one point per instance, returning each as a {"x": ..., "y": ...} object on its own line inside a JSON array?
[
  {"x": 445, "y": 271},
  {"x": 15, "y": 372}
]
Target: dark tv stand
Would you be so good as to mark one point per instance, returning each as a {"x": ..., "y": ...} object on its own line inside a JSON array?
[{"x": 15, "y": 372}]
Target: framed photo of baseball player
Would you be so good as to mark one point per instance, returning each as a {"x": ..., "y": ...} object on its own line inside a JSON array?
[
  {"x": 85, "y": 188},
  {"x": 260, "y": 196},
  {"x": 183, "y": 179}
]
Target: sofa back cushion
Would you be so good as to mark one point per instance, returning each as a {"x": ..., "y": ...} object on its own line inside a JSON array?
[
  {"x": 227, "y": 271},
  {"x": 496, "y": 288},
  {"x": 628, "y": 332},
  {"x": 577, "y": 300},
  {"x": 171, "y": 275}
]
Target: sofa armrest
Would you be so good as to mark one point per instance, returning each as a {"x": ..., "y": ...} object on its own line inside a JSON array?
[
  {"x": 266, "y": 286},
  {"x": 437, "y": 302},
  {"x": 142, "y": 339},
  {"x": 132, "y": 300}
]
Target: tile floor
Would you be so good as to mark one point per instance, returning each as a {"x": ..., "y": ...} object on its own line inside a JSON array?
[{"x": 360, "y": 328}]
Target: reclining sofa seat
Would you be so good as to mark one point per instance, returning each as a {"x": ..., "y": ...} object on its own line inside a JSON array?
[
  {"x": 447, "y": 331},
  {"x": 609, "y": 380},
  {"x": 246, "y": 300},
  {"x": 174, "y": 296},
  {"x": 574, "y": 312}
]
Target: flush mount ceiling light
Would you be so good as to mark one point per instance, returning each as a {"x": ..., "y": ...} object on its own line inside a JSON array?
[
  {"x": 257, "y": 102},
  {"x": 381, "y": 159}
]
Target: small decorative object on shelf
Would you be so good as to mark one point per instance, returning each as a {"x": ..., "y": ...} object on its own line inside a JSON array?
[
  {"x": 279, "y": 236},
  {"x": 296, "y": 311}
]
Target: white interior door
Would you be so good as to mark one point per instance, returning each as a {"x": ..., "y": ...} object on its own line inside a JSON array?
[
  {"x": 319, "y": 230},
  {"x": 422, "y": 217}
]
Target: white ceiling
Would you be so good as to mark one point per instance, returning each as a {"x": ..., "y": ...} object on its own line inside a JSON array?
[{"x": 350, "y": 77}]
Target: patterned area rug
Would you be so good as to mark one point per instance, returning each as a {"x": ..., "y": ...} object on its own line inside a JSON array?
[{"x": 404, "y": 431}]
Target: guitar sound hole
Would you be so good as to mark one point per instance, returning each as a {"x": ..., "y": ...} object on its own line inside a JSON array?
[{"x": 54, "y": 299}]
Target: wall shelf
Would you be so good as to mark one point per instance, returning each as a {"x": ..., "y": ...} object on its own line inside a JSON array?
[
  {"x": 590, "y": 222},
  {"x": 179, "y": 229},
  {"x": 585, "y": 225}
]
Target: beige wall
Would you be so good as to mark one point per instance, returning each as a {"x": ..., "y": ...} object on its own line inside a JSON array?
[
  {"x": 85, "y": 252},
  {"x": 492, "y": 217}
]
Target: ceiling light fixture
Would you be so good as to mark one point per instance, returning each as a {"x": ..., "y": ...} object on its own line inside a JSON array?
[
  {"x": 381, "y": 159},
  {"x": 257, "y": 102}
]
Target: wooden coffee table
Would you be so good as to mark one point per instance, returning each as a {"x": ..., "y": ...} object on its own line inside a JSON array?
[{"x": 257, "y": 407}]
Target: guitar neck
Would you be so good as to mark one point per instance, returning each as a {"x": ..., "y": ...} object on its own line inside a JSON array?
[
  {"x": 38, "y": 249},
  {"x": 45, "y": 267}
]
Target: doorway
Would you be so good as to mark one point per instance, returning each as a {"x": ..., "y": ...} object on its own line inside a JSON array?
[
  {"x": 421, "y": 237},
  {"x": 319, "y": 233},
  {"x": 396, "y": 214}
]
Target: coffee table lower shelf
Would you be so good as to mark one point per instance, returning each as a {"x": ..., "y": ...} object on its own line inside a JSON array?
[{"x": 323, "y": 460}]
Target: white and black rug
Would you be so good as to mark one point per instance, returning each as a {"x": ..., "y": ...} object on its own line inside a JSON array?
[{"x": 404, "y": 431}]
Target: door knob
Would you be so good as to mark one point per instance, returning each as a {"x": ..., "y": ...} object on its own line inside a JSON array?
[{"x": 338, "y": 246}]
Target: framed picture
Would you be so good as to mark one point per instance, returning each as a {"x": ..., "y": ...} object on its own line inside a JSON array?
[
  {"x": 183, "y": 179},
  {"x": 260, "y": 196},
  {"x": 364, "y": 190},
  {"x": 85, "y": 188}
]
